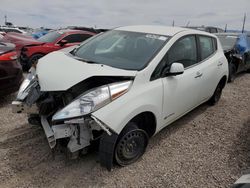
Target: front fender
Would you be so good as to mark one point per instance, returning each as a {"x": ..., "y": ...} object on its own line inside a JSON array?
[{"x": 143, "y": 99}]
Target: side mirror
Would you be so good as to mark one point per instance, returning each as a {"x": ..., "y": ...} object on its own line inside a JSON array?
[
  {"x": 62, "y": 42},
  {"x": 176, "y": 69}
]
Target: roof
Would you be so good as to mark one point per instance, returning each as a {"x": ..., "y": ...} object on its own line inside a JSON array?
[
  {"x": 153, "y": 29},
  {"x": 63, "y": 31}
]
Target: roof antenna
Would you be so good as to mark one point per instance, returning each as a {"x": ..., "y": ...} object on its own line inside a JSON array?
[{"x": 244, "y": 21}]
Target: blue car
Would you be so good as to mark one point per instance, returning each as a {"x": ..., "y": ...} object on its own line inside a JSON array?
[
  {"x": 39, "y": 34},
  {"x": 236, "y": 47}
]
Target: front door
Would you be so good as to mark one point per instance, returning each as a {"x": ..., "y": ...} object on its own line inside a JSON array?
[{"x": 181, "y": 91}]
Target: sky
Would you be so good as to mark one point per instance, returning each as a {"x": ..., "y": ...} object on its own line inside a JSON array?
[{"x": 115, "y": 13}]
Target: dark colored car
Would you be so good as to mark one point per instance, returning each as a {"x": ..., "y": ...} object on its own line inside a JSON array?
[
  {"x": 236, "y": 47},
  {"x": 11, "y": 74},
  {"x": 50, "y": 42}
]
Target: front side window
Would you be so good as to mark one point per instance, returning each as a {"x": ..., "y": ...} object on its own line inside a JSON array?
[
  {"x": 121, "y": 49},
  {"x": 207, "y": 46},
  {"x": 183, "y": 51}
]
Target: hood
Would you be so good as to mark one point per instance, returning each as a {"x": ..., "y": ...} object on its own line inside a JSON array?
[
  {"x": 20, "y": 39},
  {"x": 5, "y": 47},
  {"x": 59, "y": 72}
]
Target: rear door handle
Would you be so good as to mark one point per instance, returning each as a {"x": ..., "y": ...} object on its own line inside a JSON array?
[{"x": 198, "y": 75}]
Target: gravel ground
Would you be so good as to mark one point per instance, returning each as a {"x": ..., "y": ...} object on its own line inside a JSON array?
[{"x": 209, "y": 147}]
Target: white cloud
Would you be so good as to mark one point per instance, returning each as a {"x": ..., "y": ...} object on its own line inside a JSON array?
[{"x": 113, "y": 13}]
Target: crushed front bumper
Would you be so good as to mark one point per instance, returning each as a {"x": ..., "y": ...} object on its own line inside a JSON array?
[{"x": 55, "y": 132}]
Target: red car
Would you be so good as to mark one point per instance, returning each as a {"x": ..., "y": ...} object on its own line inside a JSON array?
[
  {"x": 11, "y": 74},
  {"x": 31, "y": 50}
]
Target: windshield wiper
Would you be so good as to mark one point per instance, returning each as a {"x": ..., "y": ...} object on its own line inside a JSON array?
[{"x": 87, "y": 61}]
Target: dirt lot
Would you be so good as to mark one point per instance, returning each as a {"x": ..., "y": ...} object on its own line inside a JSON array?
[{"x": 209, "y": 147}]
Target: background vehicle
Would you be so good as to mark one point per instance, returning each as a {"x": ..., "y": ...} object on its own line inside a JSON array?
[
  {"x": 39, "y": 33},
  {"x": 11, "y": 74},
  {"x": 123, "y": 87},
  {"x": 236, "y": 47},
  {"x": 207, "y": 29},
  {"x": 89, "y": 29},
  {"x": 50, "y": 42},
  {"x": 19, "y": 40},
  {"x": 12, "y": 29}
]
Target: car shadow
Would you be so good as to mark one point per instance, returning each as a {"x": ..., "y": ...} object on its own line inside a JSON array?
[
  {"x": 240, "y": 151},
  {"x": 5, "y": 100},
  {"x": 183, "y": 121}
]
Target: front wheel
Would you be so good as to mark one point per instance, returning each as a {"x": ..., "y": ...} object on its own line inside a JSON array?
[{"x": 131, "y": 145}]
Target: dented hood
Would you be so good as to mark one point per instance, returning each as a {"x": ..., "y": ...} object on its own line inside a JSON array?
[{"x": 58, "y": 71}]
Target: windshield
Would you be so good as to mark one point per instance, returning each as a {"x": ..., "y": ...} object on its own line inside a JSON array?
[
  {"x": 121, "y": 49},
  {"x": 50, "y": 37},
  {"x": 227, "y": 41}
]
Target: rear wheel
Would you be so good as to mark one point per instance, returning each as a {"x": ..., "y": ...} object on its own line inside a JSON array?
[
  {"x": 131, "y": 145},
  {"x": 232, "y": 72},
  {"x": 217, "y": 95}
]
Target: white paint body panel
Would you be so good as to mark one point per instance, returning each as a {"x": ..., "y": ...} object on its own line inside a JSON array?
[
  {"x": 59, "y": 72},
  {"x": 172, "y": 96},
  {"x": 167, "y": 98}
]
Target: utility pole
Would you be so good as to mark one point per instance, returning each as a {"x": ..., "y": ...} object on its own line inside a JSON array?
[
  {"x": 5, "y": 19},
  {"x": 244, "y": 21}
]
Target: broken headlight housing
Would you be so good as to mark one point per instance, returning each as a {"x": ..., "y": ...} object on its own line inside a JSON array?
[
  {"x": 92, "y": 100},
  {"x": 26, "y": 85}
]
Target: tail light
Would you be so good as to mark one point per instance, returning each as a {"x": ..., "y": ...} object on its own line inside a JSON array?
[{"x": 8, "y": 56}]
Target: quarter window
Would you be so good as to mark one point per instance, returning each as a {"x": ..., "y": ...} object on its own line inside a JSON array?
[
  {"x": 207, "y": 46},
  {"x": 183, "y": 51}
]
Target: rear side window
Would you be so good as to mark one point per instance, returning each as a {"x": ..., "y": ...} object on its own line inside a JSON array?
[
  {"x": 77, "y": 38},
  {"x": 207, "y": 46}
]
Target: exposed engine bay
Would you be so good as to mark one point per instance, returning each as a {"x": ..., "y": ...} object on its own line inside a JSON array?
[{"x": 41, "y": 106}]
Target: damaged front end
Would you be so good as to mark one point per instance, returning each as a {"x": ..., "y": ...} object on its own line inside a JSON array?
[{"x": 68, "y": 114}]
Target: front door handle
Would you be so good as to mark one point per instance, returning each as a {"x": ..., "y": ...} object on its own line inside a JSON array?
[
  {"x": 220, "y": 64},
  {"x": 198, "y": 75}
]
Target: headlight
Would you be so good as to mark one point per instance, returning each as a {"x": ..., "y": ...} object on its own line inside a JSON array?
[
  {"x": 26, "y": 85},
  {"x": 92, "y": 100}
]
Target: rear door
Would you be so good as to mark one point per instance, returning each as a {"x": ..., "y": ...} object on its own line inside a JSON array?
[{"x": 210, "y": 66}]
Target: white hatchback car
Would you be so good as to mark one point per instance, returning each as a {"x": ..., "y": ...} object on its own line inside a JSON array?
[{"x": 121, "y": 87}]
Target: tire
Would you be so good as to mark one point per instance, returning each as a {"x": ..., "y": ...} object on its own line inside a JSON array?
[
  {"x": 33, "y": 59},
  {"x": 131, "y": 145},
  {"x": 217, "y": 95},
  {"x": 232, "y": 72}
]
